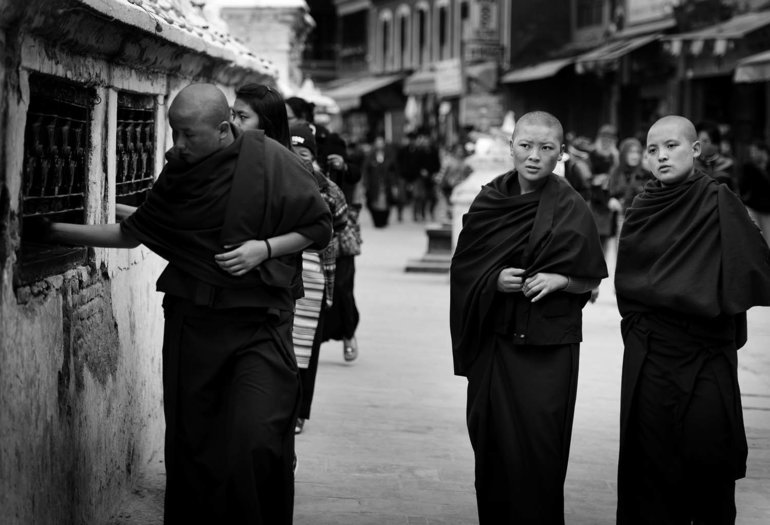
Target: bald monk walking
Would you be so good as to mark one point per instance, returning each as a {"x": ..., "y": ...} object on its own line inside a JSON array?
[
  {"x": 526, "y": 261},
  {"x": 230, "y": 380},
  {"x": 690, "y": 264}
]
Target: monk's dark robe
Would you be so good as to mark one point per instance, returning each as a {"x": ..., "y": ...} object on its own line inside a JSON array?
[
  {"x": 690, "y": 264},
  {"x": 230, "y": 380},
  {"x": 521, "y": 358}
]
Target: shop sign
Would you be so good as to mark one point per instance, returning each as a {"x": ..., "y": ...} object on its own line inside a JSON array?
[
  {"x": 639, "y": 11},
  {"x": 449, "y": 77},
  {"x": 482, "y": 110},
  {"x": 481, "y": 51},
  {"x": 484, "y": 20}
]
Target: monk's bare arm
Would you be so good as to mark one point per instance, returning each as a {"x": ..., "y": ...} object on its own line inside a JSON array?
[
  {"x": 123, "y": 211},
  {"x": 247, "y": 256},
  {"x": 99, "y": 235}
]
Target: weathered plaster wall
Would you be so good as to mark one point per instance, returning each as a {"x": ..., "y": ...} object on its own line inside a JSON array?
[
  {"x": 80, "y": 351},
  {"x": 80, "y": 390}
]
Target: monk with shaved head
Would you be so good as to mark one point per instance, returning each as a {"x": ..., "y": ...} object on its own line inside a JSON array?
[
  {"x": 526, "y": 261},
  {"x": 690, "y": 264},
  {"x": 230, "y": 379}
]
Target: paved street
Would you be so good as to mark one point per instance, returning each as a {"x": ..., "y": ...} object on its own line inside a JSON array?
[{"x": 387, "y": 444}]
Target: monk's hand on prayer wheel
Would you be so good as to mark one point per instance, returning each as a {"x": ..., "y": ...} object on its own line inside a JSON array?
[
  {"x": 240, "y": 259},
  {"x": 510, "y": 279},
  {"x": 541, "y": 284},
  {"x": 37, "y": 229}
]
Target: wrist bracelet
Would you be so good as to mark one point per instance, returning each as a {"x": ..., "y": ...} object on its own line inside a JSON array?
[
  {"x": 269, "y": 249},
  {"x": 569, "y": 281}
]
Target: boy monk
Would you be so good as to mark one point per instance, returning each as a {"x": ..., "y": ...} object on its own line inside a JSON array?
[
  {"x": 230, "y": 381},
  {"x": 525, "y": 263},
  {"x": 690, "y": 263}
]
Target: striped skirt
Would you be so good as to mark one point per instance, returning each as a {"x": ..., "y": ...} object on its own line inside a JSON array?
[{"x": 308, "y": 308}]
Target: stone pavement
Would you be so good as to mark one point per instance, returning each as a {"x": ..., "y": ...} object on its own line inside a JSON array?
[{"x": 387, "y": 443}]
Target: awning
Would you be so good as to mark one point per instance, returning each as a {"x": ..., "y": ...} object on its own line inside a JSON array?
[
  {"x": 420, "y": 83},
  {"x": 755, "y": 68},
  {"x": 615, "y": 50},
  {"x": 348, "y": 95},
  {"x": 736, "y": 27},
  {"x": 537, "y": 71}
]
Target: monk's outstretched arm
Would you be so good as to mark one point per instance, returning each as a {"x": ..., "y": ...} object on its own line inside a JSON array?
[{"x": 99, "y": 235}]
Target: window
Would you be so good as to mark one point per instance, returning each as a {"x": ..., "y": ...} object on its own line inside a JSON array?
[
  {"x": 386, "y": 44},
  {"x": 403, "y": 33},
  {"x": 56, "y": 153},
  {"x": 135, "y": 155},
  {"x": 422, "y": 35},
  {"x": 589, "y": 12},
  {"x": 443, "y": 37}
]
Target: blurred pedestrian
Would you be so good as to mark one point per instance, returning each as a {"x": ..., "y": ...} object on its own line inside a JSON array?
[
  {"x": 408, "y": 174},
  {"x": 526, "y": 259},
  {"x": 711, "y": 160},
  {"x": 379, "y": 173},
  {"x": 318, "y": 276},
  {"x": 342, "y": 317},
  {"x": 428, "y": 165},
  {"x": 604, "y": 159},
  {"x": 577, "y": 166},
  {"x": 754, "y": 186},
  {"x": 454, "y": 171},
  {"x": 690, "y": 264},
  {"x": 628, "y": 178}
]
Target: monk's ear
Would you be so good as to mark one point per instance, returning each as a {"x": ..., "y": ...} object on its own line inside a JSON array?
[
  {"x": 561, "y": 153},
  {"x": 696, "y": 149},
  {"x": 510, "y": 146},
  {"x": 223, "y": 128}
]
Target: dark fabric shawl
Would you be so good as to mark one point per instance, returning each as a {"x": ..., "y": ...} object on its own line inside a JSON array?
[
  {"x": 252, "y": 189},
  {"x": 550, "y": 230},
  {"x": 691, "y": 249}
]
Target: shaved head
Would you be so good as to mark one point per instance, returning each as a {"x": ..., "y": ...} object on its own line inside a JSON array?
[
  {"x": 199, "y": 117},
  {"x": 672, "y": 146},
  {"x": 540, "y": 118},
  {"x": 676, "y": 124},
  {"x": 206, "y": 102}
]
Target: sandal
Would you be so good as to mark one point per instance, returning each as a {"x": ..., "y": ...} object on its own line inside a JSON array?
[{"x": 350, "y": 350}]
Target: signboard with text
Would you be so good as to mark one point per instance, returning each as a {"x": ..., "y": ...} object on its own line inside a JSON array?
[
  {"x": 449, "y": 77},
  {"x": 482, "y": 111}
]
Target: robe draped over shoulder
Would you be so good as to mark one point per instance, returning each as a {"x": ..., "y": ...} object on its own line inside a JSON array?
[
  {"x": 692, "y": 250},
  {"x": 550, "y": 230},
  {"x": 253, "y": 189}
]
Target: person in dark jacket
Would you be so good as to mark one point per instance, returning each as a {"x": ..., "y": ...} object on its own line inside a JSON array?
[{"x": 525, "y": 263}]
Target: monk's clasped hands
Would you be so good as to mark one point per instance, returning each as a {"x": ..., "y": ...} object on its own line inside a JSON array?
[{"x": 535, "y": 287}]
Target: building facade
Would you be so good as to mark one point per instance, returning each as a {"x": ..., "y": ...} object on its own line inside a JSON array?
[
  {"x": 452, "y": 65},
  {"x": 84, "y": 90}
]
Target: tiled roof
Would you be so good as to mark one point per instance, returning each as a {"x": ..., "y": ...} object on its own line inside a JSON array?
[{"x": 181, "y": 22}]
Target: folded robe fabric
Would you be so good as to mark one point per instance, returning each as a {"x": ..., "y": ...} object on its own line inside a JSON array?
[
  {"x": 691, "y": 249},
  {"x": 253, "y": 189},
  {"x": 550, "y": 230}
]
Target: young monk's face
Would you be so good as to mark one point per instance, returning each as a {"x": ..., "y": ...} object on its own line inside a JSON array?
[
  {"x": 535, "y": 148},
  {"x": 194, "y": 138},
  {"x": 244, "y": 118},
  {"x": 670, "y": 154}
]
